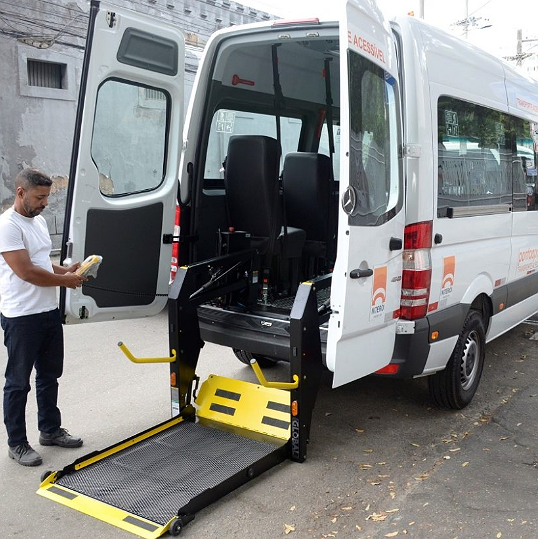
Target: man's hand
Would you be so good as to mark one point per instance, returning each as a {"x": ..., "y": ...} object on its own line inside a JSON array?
[
  {"x": 73, "y": 267},
  {"x": 72, "y": 280}
]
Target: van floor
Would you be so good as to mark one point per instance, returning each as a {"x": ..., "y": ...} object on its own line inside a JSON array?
[{"x": 287, "y": 303}]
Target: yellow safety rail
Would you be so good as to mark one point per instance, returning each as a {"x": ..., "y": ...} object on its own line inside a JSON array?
[
  {"x": 134, "y": 359},
  {"x": 275, "y": 385}
]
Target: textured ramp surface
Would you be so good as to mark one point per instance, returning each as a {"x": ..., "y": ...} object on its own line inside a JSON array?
[{"x": 158, "y": 476}]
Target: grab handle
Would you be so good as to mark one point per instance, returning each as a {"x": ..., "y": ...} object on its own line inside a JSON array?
[
  {"x": 274, "y": 385},
  {"x": 134, "y": 359}
]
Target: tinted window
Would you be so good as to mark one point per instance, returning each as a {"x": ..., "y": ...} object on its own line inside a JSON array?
[
  {"x": 475, "y": 155},
  {"x": 226, "y": 123},
  {"x": 373, "y": 145},
  {"x": 129, "y": 138}
]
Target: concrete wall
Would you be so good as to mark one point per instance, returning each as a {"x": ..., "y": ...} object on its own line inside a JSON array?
[{"x": 37, "y": 124}]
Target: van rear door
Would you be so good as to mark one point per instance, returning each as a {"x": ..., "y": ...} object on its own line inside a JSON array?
[
  {"x": 124, "y": 167},
  {"x": 366, "y": 282}
]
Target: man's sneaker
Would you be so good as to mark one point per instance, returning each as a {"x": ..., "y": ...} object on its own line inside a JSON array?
[
  {"x": 61, "y": 438},
  {"x": 25, "y": 455}
]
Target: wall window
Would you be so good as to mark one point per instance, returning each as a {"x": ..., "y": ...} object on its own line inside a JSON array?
[
  {"x": 226, "y": 123},
  {"x": 46, "y": 74},
  {"x": 129, "y": 138},
  {"x": 485, "y": 159},
  {"x": 373, "y": 146}
]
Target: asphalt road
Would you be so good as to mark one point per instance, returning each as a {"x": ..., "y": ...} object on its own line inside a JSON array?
[{"x": 383, "y": 462}]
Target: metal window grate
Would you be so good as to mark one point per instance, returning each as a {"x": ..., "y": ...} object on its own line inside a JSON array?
[
  {"x": 154, "y": 94},
  {"x": 45, "y": 74}
]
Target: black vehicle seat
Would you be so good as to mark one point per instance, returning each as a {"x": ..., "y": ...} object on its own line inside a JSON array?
[
  {"x": 306, "y": 183},
  {"x": 253, "y": 197}
]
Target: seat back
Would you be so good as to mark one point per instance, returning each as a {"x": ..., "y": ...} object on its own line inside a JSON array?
[
  {"x": 306, "y": 183},
  {"x": 252, "y": 190}
]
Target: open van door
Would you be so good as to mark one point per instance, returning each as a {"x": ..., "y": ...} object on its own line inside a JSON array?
[
  {"x": 124, "y": 166},
  {"x": 366, "y": 283}
]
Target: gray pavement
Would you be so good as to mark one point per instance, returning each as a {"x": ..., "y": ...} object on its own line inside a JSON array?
[{"x": 382, "y": 462}]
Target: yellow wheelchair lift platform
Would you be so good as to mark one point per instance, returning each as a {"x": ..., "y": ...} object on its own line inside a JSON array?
[
  {"x": 142, "y": 483},
  {"x": 157, "y": 480}
]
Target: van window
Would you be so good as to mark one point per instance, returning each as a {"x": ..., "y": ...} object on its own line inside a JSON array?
[
  {"x": 475, "y": 165},
  {"x": 324, "y": 147},
  {"x": 226, "y": 123},
  {"x": 525, "y": 181},
  {"x": 129, "y": 137},
  {"x": 373, "y": 146}
]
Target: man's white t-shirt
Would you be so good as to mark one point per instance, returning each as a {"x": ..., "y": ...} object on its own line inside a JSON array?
[{"x": 17, "y": 297}]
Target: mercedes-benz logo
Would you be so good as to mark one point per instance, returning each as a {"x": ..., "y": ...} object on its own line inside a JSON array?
[{"x": 349, "y": 200}]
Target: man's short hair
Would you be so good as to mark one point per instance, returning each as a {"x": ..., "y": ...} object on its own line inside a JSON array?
[{"x": 32, "y": 177}]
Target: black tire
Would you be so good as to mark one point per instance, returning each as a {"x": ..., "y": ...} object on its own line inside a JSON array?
[
  {"x": 263, "y": 361},
  {"x": 44, "y": 475},
  {"x": 455, "y": 386},
  {"x": 176, "y": 527}
]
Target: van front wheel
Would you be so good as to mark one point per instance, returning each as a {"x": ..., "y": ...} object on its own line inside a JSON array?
[{"x": 455, "y": 386}]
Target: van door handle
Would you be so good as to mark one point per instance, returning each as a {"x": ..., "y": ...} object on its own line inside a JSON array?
[
  {"x": 359, "y": 273},
  {"x": 395, "y": 244}
]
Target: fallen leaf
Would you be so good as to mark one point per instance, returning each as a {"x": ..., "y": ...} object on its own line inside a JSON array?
[
  {"x": 365, "y": 466},
  {"x": 367, "y": 450},
  {"x": 422, "y": 477},
  {"x": 414, "y": 444},
  {"x": 327, "y": 414},
  {"x": 375, "y": 483},
  {"x": 391, "y": 534},
  {"x": 360, "y": 431},
  {"x": 367, "y": 508},
  {"x": 391, "y": 510},
  {"x": 292, "y": 508},
  {"x": 377, "y": 517},
  {"x": 393, "y": 495},
  {"x": 333, "y": 520},
  {"x": 499, "y": 535},
  {"x": 465, "y": 464},
  {"x": 288, "y": 528},
  {"x": 358, "y": 527},
  {"x": 455, "y": 449},
  {"x": 347, "y": 508},
  {"x": 411, "y": 523},
  {"x": 503, "y": 438}
]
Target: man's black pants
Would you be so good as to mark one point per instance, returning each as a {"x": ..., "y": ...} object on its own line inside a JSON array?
[{"x": 35, "y": 340}]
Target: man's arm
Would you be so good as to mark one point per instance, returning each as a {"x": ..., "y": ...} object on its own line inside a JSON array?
[{"x": 22, "y": 266}]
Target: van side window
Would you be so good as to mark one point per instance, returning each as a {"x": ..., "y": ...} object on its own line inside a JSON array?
[
  {"x": 525, "y": 176},
  {"x": 324, "y": 147},
  {"x": 129, "y": 137},
  {"x": 485, "y": 158},
  {"x": 226, "y": 123},
  {"x": 373, "y": 145}
]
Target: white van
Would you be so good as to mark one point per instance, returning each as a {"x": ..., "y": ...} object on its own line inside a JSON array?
[
  {"x": 393, "y": 159},
  {"x": 352, "y": 194}
]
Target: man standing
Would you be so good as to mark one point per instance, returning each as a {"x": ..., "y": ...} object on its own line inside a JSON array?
[{"x": 30, "y": 318}]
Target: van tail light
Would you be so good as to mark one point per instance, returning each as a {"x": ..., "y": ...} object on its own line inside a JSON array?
[
  {"x": 417, "y": 270},
  {"x": 175, "y": 246}
]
